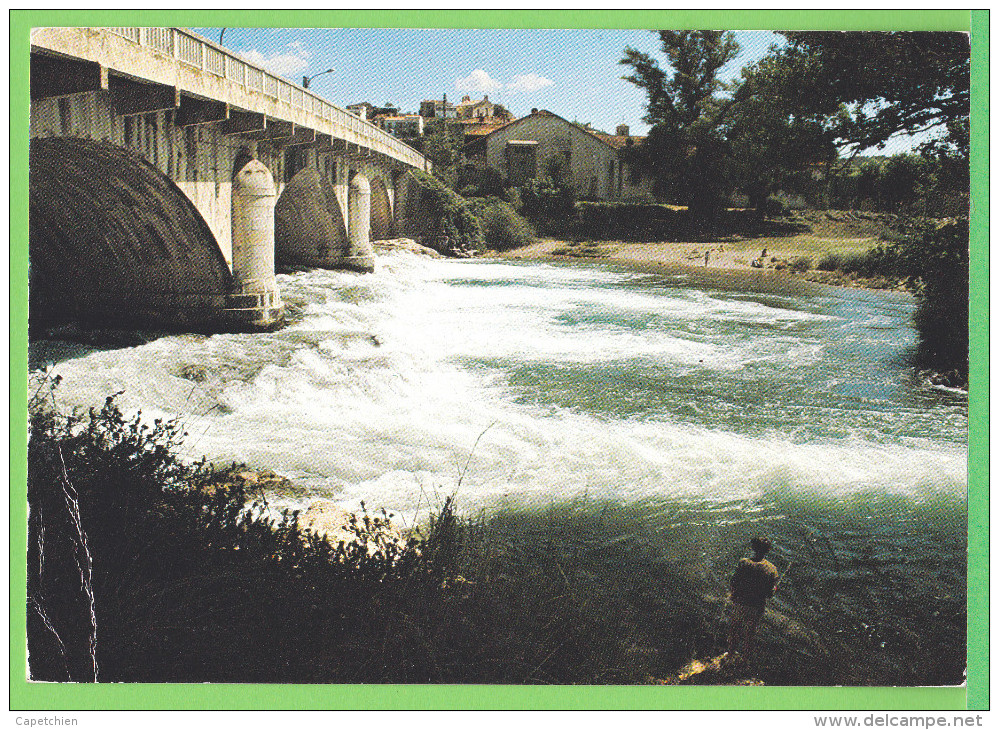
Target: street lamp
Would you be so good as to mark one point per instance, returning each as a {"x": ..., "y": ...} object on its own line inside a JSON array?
[{"x": 307, "y": 79}]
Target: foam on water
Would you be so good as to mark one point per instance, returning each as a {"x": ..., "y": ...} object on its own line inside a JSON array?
[{"x": 381, "y": 385}]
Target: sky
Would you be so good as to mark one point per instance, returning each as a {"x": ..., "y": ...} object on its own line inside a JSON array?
[{"x": 573, "y": 73}]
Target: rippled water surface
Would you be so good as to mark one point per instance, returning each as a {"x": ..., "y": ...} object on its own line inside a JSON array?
[
  {"x": 706, "y": 414},
  {"x": 590, "y": 380}
]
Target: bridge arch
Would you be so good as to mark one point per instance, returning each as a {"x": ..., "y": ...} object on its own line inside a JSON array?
[
  {"x": 112, "y": 238},
  {"x": 309, "y": 227}
]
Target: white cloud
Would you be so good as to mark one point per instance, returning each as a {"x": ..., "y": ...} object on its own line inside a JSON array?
[
  {"x": 477, "y": 82},
  {"x": 528, "y": 83},
  {"x": 289, "y": 63}
]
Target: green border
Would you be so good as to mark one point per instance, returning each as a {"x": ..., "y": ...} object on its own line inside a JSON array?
[
  {"x": 978, "y": 402},
  {"x": 26, "y": 696}
]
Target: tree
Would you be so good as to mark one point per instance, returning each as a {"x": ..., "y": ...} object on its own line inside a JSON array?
[
  {"x": 890, "y": 82},
  {"x": 873, "y": 86},
  {"x": 685, "y": 150},
  {"x": 442, "y": 146},
  {"x": 709, "y": 138},
  {"x": 769, "y": 139}
]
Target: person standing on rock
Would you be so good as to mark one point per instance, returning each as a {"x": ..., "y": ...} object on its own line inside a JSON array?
[
  {"x": 707, "y": 255},
  {"x": 753, "y": 583}
]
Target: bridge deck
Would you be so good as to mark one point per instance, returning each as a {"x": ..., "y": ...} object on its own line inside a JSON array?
[{"x": 197, "y": 69}]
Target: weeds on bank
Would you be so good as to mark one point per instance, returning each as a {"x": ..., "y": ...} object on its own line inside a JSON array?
[{"x": 190, "y": 578}]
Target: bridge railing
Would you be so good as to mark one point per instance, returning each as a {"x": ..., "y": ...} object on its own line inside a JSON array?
[{"x": 191, "y": 49}]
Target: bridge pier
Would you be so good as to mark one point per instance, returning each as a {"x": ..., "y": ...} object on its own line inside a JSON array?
[
  {"x": 255, "y": 301},
  {"x": 360, "y": 255}
]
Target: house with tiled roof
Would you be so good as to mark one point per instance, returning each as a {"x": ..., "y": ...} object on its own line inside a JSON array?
[
  {"x": 480, "y": 109},
  {"x": 594, "y": 164}
]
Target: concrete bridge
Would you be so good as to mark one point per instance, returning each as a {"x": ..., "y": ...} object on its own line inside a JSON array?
[{"x": 167, "y": 174}]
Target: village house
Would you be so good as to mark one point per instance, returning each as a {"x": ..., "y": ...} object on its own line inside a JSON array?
[
  {"x": 438, "y": 109},
  {"x": 481, "y": 109},
  {"x": 594, "y": 164},
  {"x": 402, "y": 125},
  {"x": 362, "y": 109}
]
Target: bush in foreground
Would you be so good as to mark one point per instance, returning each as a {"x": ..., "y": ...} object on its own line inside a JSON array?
[{"x": 146, "y": 569}]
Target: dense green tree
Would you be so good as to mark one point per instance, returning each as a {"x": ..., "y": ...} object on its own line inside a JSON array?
[
  {"x": 709, "y": 138},
  {"x": 685, "y": 151},
  {"x": 891, "y": 83},
  {"x": 769, "y": 139},
  {"x": 934, "y": 259},
  {"x": 442, "y": 146}
]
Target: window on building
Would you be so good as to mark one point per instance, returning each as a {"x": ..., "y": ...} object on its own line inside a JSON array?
[{"x": 521, "y": 161}]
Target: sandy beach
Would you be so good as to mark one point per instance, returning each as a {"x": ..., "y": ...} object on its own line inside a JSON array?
[{"x": 728, "y": 261}]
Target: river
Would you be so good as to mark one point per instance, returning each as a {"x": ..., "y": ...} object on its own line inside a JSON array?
[{"x": 700, "y": 414}]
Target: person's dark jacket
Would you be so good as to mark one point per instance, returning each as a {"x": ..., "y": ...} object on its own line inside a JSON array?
[{"x": 754, "y": 582}]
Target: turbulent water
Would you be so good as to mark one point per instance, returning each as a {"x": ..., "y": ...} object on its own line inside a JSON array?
[{"x": 683, "y": 403}]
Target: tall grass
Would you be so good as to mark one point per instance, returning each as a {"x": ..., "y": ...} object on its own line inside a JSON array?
[
  {"x": 196, "y": 580},
  {"x": 881, "y": 261}
]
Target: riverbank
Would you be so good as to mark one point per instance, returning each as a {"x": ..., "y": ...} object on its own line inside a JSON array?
[
  {"x": 786, "y": 248},
  {"x": 762, "y": 263}
]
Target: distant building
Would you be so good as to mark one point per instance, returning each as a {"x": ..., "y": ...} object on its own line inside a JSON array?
[
  {"x": 362, "y": 109},
  {"x": 367, "y": 110},
  {"x": 402, "y": 125},
  {"x": 594, "y": 164},
  {"x": 438, "y": 109},
  {"x": 388, "y": 110},
  {"x": 481, "y": 109}
]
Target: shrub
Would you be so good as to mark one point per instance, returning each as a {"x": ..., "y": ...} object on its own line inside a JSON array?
[
  {"x": 145, "y": 568},
  {"x": 882, "y": 260},
  {"x": 549, "y": 207},
  {"x": 784, "y": 203},
  {"x": 934, "y": 258},
  {"x": 801, "y": 263},
  {"x": 503, "y": 228},
  {"x": 438, "y": 217},
  {"x": 512, "y": 196},
  {"x": 830, "y": 262},
  {"x": 479, "y": 182}
]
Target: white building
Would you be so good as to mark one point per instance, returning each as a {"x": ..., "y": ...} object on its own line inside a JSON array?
[{"x": 594, "y": 164}]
